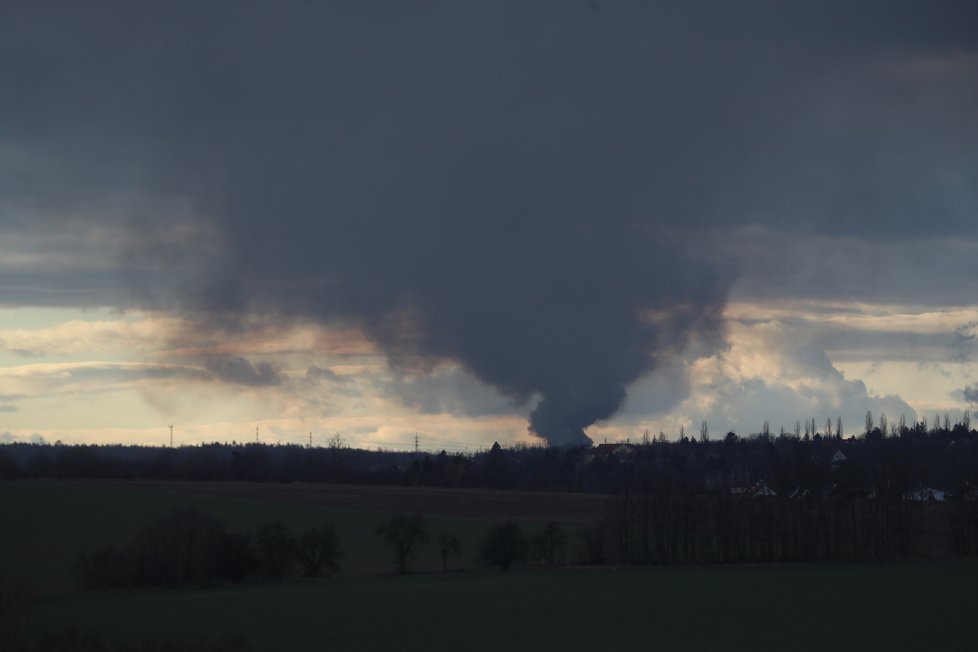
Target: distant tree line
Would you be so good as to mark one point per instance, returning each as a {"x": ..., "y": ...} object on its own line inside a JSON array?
[
  {"x": 945, "y": 454},
  {"x": 897, "y": 490}
]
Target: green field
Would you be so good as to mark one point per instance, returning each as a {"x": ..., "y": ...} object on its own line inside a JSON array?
[
  {"x": 872, "y": 607},
  {"x": 50, "y": 522},
  {"x": 917, "y": 607}
]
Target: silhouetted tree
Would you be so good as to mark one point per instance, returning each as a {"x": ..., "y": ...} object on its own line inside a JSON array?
[
  {"x": 184, "y": 548},
  {"x": 402, "y": 533},
  {"x": 448, "y": 544},
  {"x": 591, "y": 550},
  {"x": 276, "y": 550},
  {"x": 549, "y": 545},
  {"x": 318, "y": 551},
  {"x": 504, "y": 545}
]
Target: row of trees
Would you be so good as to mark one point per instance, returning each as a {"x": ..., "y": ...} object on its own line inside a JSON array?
[
  {"x": 654, "y": 521},
  {"x": 504, "y": 545},
  {"x": 190, "y": 548}
]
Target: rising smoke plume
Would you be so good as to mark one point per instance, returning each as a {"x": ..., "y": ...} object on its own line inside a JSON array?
[{"x": 518, "y": 187}]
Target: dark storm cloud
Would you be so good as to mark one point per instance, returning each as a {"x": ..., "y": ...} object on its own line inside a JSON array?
[
  {"x": 513, "y": 186},
  {"x": 895, "y": 267},
  {"x": 316, "y": 374},
  {"x": 241, "y": 371},
  {"x": 964, "y": 343},
  {"x": 447, "y": 390},
  {"x": 971, "y": 394}
]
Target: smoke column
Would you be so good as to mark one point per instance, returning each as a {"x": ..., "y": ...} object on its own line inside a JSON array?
[{"x": 522, "y": 188}]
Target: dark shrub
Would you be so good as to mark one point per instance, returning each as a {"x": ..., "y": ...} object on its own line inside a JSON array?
[
  {"x": 105, "y": 568},
  {"x": 319, "y": 551},
  {"x": 550, "y": 545},
  {"x": 504, "y": 545},
  {"x": 276, "y": 550},
  {"x": 184, "y": 548}
]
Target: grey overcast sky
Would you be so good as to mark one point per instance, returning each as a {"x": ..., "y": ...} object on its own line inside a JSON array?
[{"x": 465, "y": 219}]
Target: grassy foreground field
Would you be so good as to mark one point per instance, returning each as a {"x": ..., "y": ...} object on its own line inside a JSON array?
[
  {"x": 48, "y": 523},
  {"x": 907, "y": 607},
  {"x": 872, "y": 607}
]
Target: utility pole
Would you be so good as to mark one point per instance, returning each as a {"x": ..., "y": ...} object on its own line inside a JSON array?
[
  {"x": 415, "y": 444},
  {"x": 171, "y": 435}
]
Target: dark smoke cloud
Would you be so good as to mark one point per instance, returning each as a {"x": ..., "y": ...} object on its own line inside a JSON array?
[
  {"x": 241, "y": 371},
  {"x": 971, "y": 394},
  {"x": 517, "y": 187},
  {"x": 316, "y": 374}
]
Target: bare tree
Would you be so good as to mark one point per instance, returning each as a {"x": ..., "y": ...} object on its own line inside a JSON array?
[
  {"x": 504, "y": 545},
  {"x": 704, "y": 432},
  {"x": 319, "y": 551},
  {"x": 550, "y": 544},
  {"x": 402, "y": 533},
  {"x": 448, "y": 545}
]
